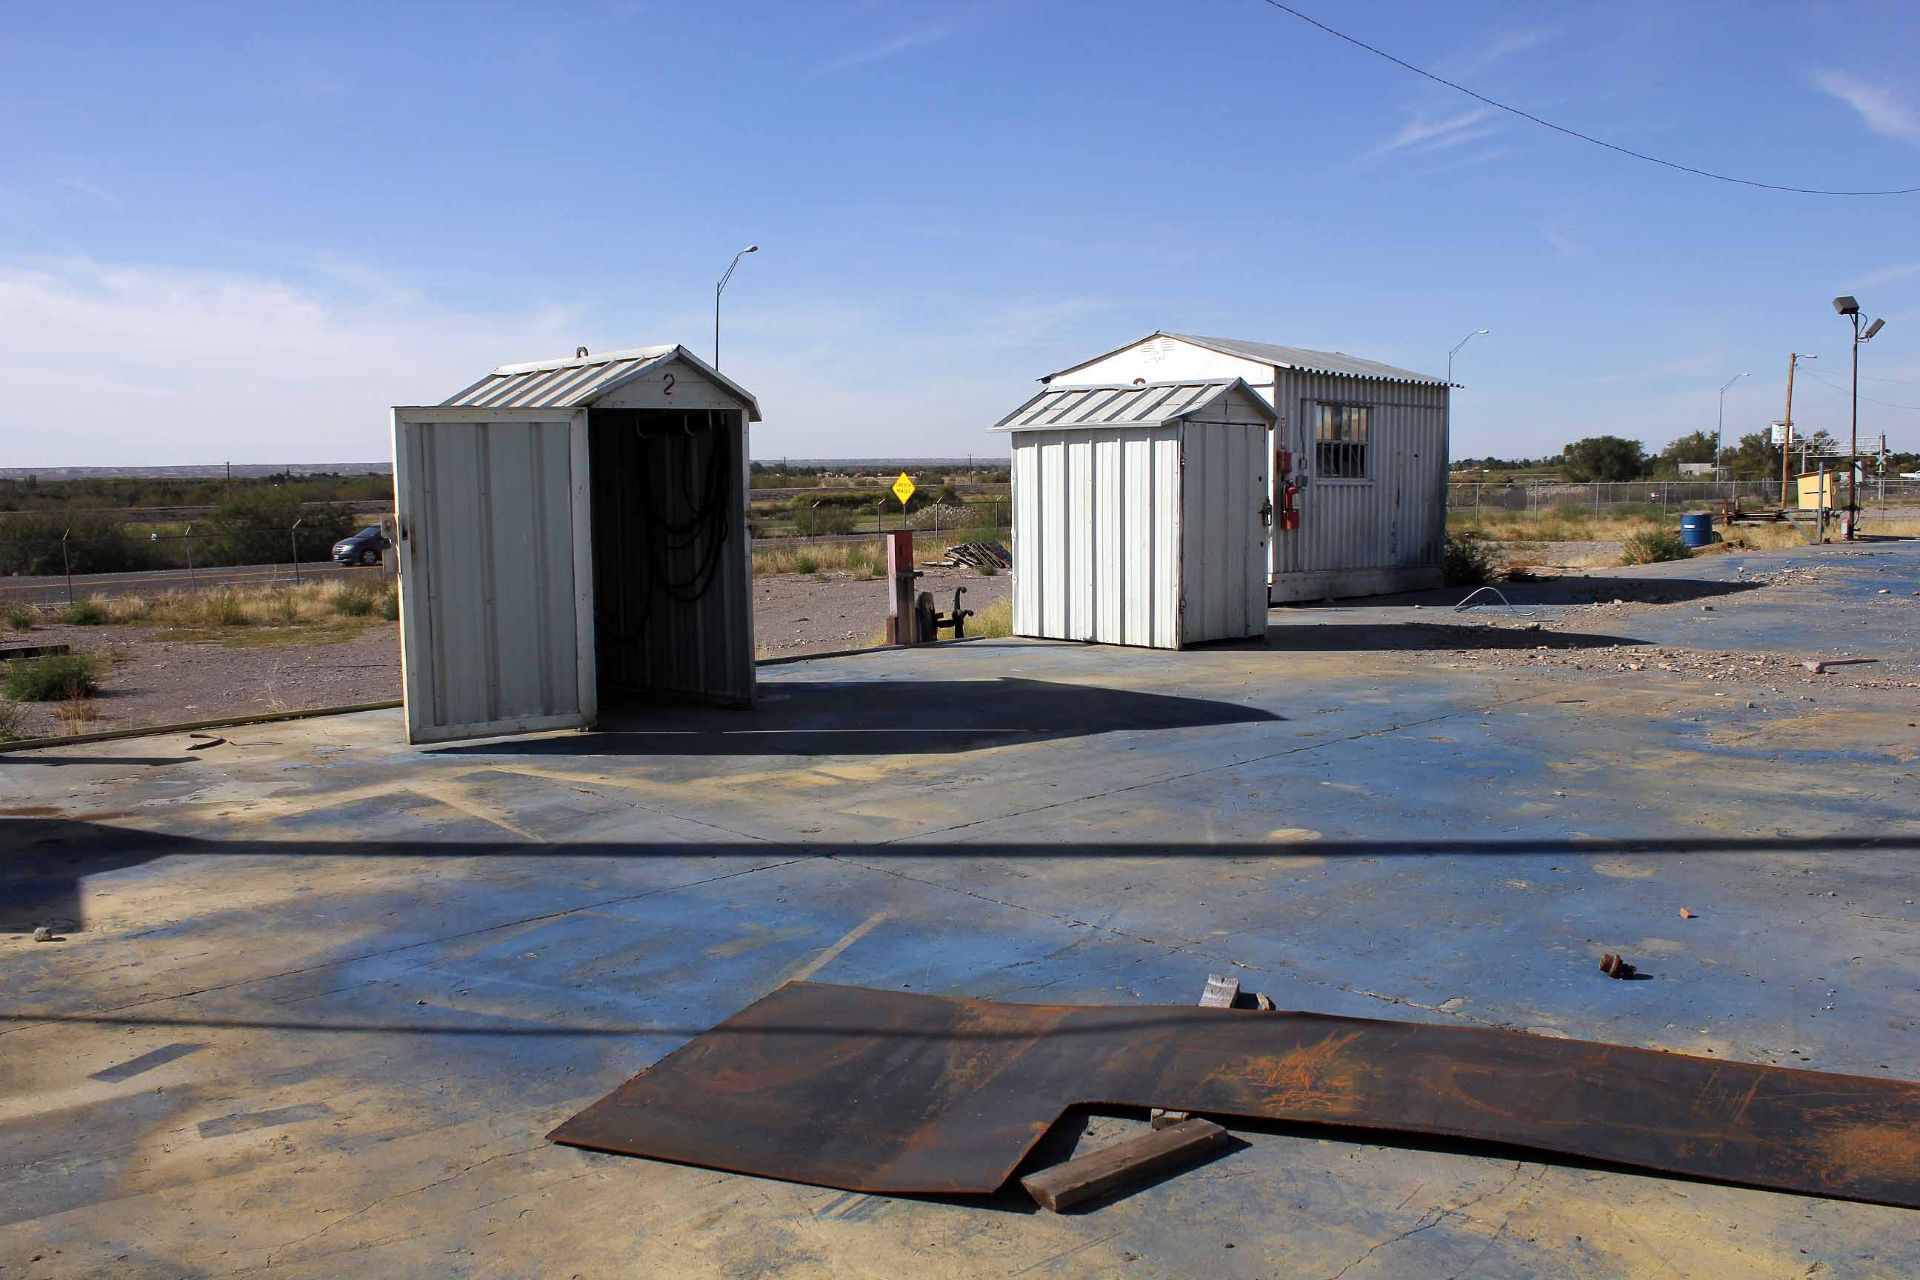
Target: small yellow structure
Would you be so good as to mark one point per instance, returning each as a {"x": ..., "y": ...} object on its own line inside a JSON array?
[{"x": 1819, "y": 490}]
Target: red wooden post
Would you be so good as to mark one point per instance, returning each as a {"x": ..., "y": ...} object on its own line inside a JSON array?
[{"x": 900, "y": 618}]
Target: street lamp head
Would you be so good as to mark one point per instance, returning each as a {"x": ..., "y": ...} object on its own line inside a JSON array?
[
  {"x": 752, "y": 248},
  {"x": 1872, "y": 329},
  {"x": 1846, "y": 305}
]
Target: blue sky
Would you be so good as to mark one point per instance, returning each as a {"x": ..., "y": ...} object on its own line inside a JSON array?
[{"x": 241, "y": 231}]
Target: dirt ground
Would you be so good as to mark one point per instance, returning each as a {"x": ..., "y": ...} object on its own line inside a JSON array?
[
  {"x": 152, "y": 676},
  {"x": 795, "y": 614}
]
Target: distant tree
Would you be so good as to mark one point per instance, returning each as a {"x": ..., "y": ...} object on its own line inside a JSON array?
[
  {"x": 1695, "y": 446},
  {"x": 1605, "y": 458},
  {"x": 1754, "y": 458}
]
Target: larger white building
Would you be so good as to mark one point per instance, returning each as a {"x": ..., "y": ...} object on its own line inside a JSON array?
[{"x": 1358, "y": 481}]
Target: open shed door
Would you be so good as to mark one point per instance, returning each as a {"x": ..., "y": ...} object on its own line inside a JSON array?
[{"x": 496, "y": 576}]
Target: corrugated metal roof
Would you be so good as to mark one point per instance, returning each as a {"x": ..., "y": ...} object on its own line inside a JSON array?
[
  {"x": 1144, "y": 404},
  {"x": 569, "y": 384},
  {"x": 1336, "y": 363}
]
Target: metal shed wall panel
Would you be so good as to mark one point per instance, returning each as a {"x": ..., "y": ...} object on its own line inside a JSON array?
[
  {"x": 1096, "y": 535},
  {"x": 1387, "y": 532},
  {"x": 489, "y": 541},
  {"x": 1224, "y": 539}
]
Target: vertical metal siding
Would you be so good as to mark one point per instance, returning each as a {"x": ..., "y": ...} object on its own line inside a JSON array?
[
  {"x": 1118, "y": 540},
  {"x": 491, "y": 546},
  {"x": 1224, "y": 539},
  {"x": 1394, "y": 520},
  {"x": 1096, "y": 535}
]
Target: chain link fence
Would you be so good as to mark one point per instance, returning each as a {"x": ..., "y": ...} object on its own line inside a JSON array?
[
  {"x": 1663, "y": 495},
  {"x": 280, "y": 552}
]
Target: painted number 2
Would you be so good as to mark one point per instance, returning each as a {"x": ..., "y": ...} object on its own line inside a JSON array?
[{"x": 667, "y": 390}]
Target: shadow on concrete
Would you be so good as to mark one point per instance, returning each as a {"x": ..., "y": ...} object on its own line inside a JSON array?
[
  {"x": 879, "y": 717},
  {"x": 1559, "y": 589},
  {"x": 43, "y": 860},
  {"x": 1470, "y": 632}
]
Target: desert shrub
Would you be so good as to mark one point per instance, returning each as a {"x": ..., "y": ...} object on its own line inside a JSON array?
[
  {"x": 223, "y": 608},
  {"x": 1469, "y": 560},
  {"x": 54, "y": 678},
  {"x": 85, "y": 612},
  {"x": 1650, "y": 546},
  {"x": 806, "y": 562},
  {"x": 353, "y": 601},
  {"x": 96, "y": 543},
  {"x": 390, "y": 606},
  {"x": 17, "y": 615},
  {"x": 255, "y": 526},
  {"x": 12, "y": 722}
]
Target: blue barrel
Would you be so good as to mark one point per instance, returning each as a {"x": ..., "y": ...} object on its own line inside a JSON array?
[{"x": 1696, "y": 531}]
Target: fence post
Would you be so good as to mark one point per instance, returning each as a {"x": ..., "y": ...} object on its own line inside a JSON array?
[
  {"x": 193, "y": 581},
  {"x": 294, "y": 534},
  {"x": 66, "y": 565}
]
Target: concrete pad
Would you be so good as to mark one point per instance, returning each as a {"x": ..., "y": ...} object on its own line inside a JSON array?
[{"x": 322, "y": 995}]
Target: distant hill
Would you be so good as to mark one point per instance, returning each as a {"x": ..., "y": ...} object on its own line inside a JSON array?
[{"x": 207, "y": 471}]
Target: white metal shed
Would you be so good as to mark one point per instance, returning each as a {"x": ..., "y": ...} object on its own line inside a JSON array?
[
  {"x": 1359, "y": 456},
  {"x": 572, "y": 537},
  {"x": 1139, "y": 513}
]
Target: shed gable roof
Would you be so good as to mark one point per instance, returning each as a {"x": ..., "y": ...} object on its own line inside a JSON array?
[
  {"x": 1148, "y": 404},
  {"x": 1336, "y": 363},
  {"x": 571, "y": 384}
]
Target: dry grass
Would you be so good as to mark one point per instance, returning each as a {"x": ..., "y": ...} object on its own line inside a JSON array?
[
  {"x": 77, "y": 715},
  {"x": 994, "y": 620},
  {"x": 865, "y": 560},
  {"x": 311, "y": 604}
]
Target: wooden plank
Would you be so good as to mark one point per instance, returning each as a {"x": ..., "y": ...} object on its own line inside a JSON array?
[{"x": 1099, "y": 1172}]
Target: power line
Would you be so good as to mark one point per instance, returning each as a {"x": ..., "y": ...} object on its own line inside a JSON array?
[
  {"x": 1842, "y": 387},
  {"x": 1575, "y": 133}
]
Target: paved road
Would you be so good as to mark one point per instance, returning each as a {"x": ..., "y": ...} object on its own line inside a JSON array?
[{"x": 54, "y": 589}]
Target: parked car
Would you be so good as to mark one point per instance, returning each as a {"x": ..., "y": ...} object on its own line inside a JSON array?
[{"x": 363, "y": 547}]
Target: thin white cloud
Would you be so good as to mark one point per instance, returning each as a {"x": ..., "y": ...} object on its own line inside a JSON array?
[
  {"x": 1424, "y": 134},
  {"x": 1880, "y": 109},
  {"x": 1493, "y": 49},
  {"x": 112, "y": 363},
  {"x": 1887, "y": 275},
  {"x": 98, "y": 192},
  {"x": 880, "y": 52}
]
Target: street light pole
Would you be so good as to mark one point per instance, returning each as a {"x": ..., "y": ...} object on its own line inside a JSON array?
[
  {"x": 1456, "y": 347},
  {"x": 720, "y": 288},
  {"x": 1850, "y": 308},
  {"x": 1720, "y": 425}
]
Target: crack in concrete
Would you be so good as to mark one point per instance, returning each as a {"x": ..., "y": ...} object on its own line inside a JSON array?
[
  {"x": 273, "y": 1254},
  {"x": 1432, "y": 1218}
]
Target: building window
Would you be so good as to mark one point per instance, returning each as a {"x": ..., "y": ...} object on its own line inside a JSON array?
[{"x": 1340, "y": 441}]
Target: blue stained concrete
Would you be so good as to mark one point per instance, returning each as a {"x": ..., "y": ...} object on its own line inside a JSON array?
[{"x": 417, "y": 962}]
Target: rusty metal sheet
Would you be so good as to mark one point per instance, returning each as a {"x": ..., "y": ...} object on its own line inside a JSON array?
[{"x": 889, "y": 1092}]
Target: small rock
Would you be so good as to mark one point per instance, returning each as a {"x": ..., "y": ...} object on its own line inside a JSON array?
[
  {"x": 45, "y": 933},
  {"x": 1685, "y": 914},
  {"x": 1706, "y": 608}
]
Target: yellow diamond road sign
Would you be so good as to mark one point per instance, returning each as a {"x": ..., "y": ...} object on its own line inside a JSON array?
[{"x": 903, "y": 488}]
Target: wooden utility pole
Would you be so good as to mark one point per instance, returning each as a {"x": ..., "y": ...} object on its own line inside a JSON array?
[{"x": 1786, "y": 445}]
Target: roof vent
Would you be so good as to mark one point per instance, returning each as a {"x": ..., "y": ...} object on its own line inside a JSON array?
[{"x": 579, "y": 353}]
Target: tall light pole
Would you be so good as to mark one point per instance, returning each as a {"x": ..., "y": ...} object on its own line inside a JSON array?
[
  {"x": 1850, "y": 308},
  {"x": 1720, "y": 425},
  {"x": 720, "y": 288},
  {"x": 1456, "y": 347}
]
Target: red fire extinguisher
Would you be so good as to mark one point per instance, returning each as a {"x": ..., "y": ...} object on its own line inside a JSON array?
[{"x": 1289, "y": 513}]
